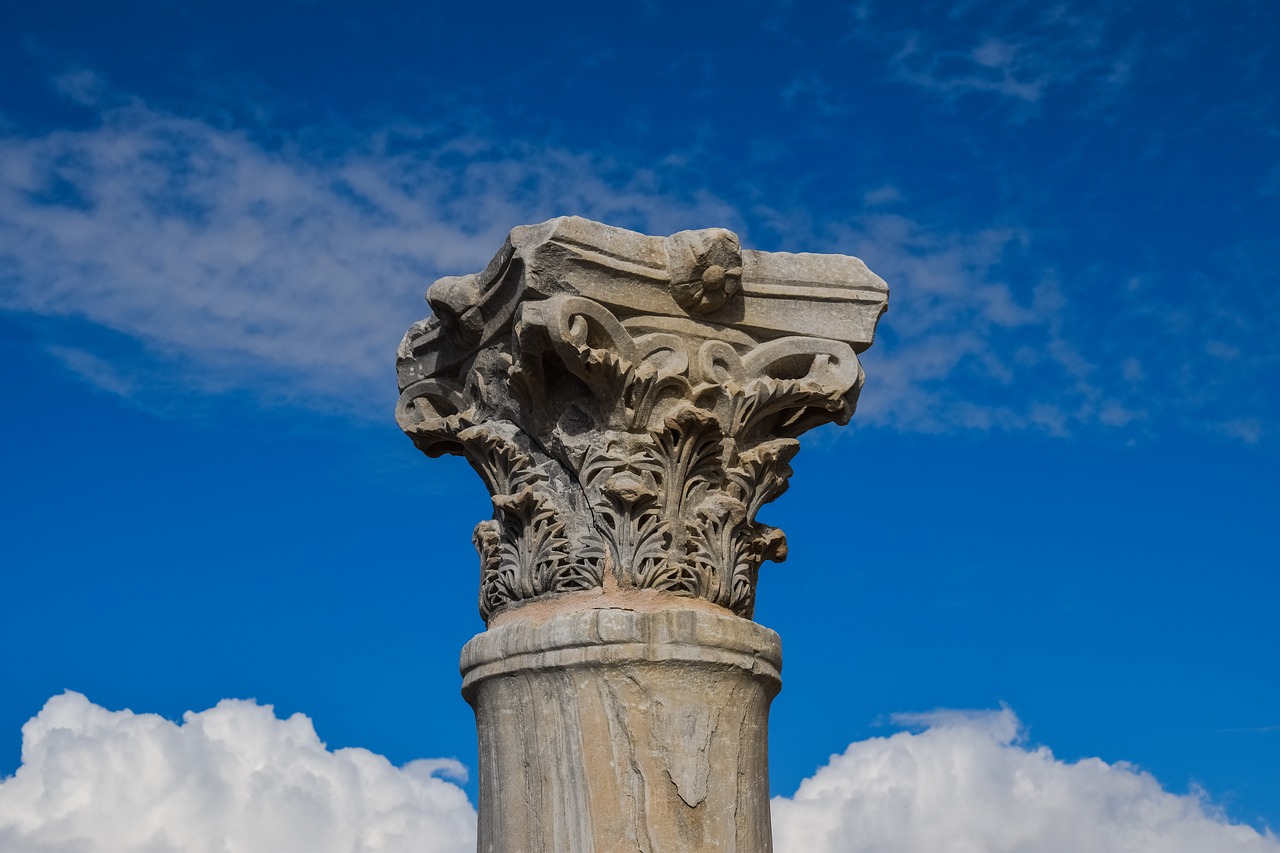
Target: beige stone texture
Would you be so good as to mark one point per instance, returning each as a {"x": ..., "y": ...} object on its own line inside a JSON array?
[
  {"x": 631, "y": 402},
  {"x": 616, "y": 730}
]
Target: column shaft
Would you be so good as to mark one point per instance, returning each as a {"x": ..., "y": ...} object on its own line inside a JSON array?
[{"x": 614, "y": 731}]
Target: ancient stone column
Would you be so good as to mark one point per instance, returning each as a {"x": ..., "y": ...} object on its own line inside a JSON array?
[{"x": 630, "y": 402}]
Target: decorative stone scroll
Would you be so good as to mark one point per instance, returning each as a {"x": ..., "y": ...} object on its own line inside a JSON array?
[{"x": 631, "y": 402}]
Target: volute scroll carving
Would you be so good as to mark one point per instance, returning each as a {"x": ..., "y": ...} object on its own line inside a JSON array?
[{"x": 631, "y": 402}]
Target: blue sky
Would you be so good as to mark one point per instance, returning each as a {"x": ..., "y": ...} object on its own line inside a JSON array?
[{"x": 1058, "y": 495}]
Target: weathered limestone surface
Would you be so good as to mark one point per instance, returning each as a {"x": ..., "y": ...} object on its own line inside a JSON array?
[
  {"x": 630, "y": 402},
  {"x": 617, "y": 730}
]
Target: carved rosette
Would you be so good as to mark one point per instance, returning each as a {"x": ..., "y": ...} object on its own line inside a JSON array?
[{"x": 631, "y": 402}]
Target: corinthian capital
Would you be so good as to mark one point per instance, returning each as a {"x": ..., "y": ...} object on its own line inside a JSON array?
[{"x": 632, "y": 401}]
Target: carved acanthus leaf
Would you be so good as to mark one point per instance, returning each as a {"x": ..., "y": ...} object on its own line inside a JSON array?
[{"x": 631, "y": 402}]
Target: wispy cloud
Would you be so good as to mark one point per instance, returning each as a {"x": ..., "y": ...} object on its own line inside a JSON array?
[
  {"x": 1001, "y": 724},
  {"x": 1198, "y": 342},
  {"x": 979, "y": 335},
  {"x": 290, "y": 270},
  {"x": 807, "y": 87},
  {"x": 287, "y": 266},
  {"x": 995, "y": 328},
  {"x": 1018, "y": 52},
  {"x": 94, "y": 370},
  {"x": 1253, "y": 730}
]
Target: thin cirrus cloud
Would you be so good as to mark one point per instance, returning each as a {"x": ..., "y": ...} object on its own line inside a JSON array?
[
  {"x": 235, "y": 777},
  {"x": 276, "y": 269},
  {"x": 289, "y": 267},
  {"x": 1018, "y": 52}
]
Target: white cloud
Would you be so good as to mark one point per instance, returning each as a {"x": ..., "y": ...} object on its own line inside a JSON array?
[
  {"x": 976, "y": 337},
  {"x": 967, "y": 785},
  {"x": 291, "y": 270},
  {"x": 289, "y": 265},
  {"x": 235, "y": 779},
  {"x": 94, "y": 370},
  {"x": 981, "y": 334},
  {"x": 232, "y": 779}
]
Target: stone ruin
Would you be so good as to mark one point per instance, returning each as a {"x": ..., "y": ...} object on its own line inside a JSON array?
[{"x": 630, "y": 402}]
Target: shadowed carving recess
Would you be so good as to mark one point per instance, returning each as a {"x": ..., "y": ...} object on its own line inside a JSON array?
[{"x": 631, "y": 402}]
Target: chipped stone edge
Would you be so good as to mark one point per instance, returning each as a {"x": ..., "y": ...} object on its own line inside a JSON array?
[{"x": 615, "y": 636}]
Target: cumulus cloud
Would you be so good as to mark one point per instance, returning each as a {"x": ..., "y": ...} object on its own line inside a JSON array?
[
  {"x": 235, "y": 779},
  {"x": 967, "y": 784},
  {"x": 232, "y": 779}
]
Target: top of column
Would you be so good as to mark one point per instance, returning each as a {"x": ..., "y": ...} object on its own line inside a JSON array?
[{"x": 631, "y": 401}]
